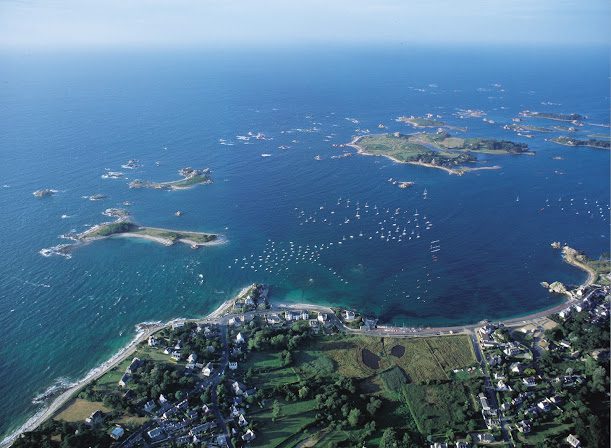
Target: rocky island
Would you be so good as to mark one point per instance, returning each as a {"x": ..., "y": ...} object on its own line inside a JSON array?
[
  {"x": 44, "y": 192},
  {"x": 439, "y": 150},
  {"x": 191, "y": 178},
  {"x": 428, "y": 121}
]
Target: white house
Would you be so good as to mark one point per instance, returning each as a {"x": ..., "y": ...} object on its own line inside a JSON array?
[
  {"x": 239, "y": 339},
  {"x": 233, "y": 365},
  {"x": 248, "y": 436},
  {"x": 322, "y": 317},
  {"x": 149, "y": 406},
  {"x": 207, "y": 370},
  {"x": 192, "y": 358},
  {"x": 573, "y": 441},
  {"x": 242, "y": 420},
  {"x": 152, "y": 341},
  {"x": 349, "y": 315}
]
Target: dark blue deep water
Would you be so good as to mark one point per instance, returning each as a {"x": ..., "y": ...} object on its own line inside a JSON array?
[{"x": 65, "y": 119}]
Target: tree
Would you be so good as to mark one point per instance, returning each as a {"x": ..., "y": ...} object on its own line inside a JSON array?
[
  {"x": 303, "y": 392},
  {"x": 353, "y": 417},
  {"x": 389, "y": 439},
  {"x": 598, "y": 379},
  {"x": 276, "y": 410}
]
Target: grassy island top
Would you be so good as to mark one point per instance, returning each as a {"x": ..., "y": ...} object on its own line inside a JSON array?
[
  {"x": 166, "y": 236},
  {"x": 191, "y": 177},
  {"x": 439, "y": 150},
  {"x": 591, "y": 142},
  {"x": 553, "y": 116}
]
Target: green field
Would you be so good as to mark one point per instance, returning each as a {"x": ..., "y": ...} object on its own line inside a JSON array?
[
  {"x": 405, "y": 149},
  {"x": 294, "y": 417},
  {"x": 424, "y": 359},
  {"x": 438, "y": 406},
  {"x": 174, "y": 235}
]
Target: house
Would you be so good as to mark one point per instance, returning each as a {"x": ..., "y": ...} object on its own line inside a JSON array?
[
  {"x": 313, "y": 323},
  {"x": 512, "y": 350},
  {"x": 322, "y": 317},
  {"x": 249, "y": 301},
  {"x": 155, "y": 434},
  {"x": 149, "y": 406},
  {"x": 348, "y": 315},
  {"x": 205, "y": 409},
  {"x": 175, "y": 356},
  {"x": 272, "y": 319},
  {"x": 192, "y": 358},
  {"x": 292, "y": 315},
  {"x": 133, "y": 366},
  {"x": 176, "y": 325},
  {"x": 484, "y": 401},
  {"x": 524, "y": 426},
  {"x": 529, "y": 381},
  {"x": 126, "y": 378},
  {"x": 95, "y": 418},
  {"x": 483, "y": 437},
  {"x": 207, "y": 370},
  {"x": 239, "y": 339},
  {"x": 439, "y": 445},
  {"x": 501, "y": 386},
  {"x": 304, "y": 315},
  {"x": 462, "y": 444},
  {"x": 543, "y": 405},
  {"x": 152, "y": 341},
  {"x": 516, "y": 367},
  {"x": 237, "y": 388},
  {"x": 233, "y": 365},
  {"x": 162, "y": 399},
  {"x": 184, "y": 404},
  {"x": 248, "y": 436},
  {"x": 556, "y": 400},
  {"x": 573, "y": 441},
  {"x": 242, "y": 420},
  {"x": 117, "y": 433},
  {"x": 565, "y": 313}
]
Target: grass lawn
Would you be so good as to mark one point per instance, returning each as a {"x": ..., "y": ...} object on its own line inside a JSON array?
[
  {"x": 543, "y": 431},
  {"x": 273, "y": 373},
  {"x": 295, "y": 415},
  {"x": 438, "y": 406},
  {"x": 78, "y": 410}
]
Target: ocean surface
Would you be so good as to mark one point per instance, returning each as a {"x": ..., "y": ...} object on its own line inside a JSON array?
[{"x": 65, "y": 119}]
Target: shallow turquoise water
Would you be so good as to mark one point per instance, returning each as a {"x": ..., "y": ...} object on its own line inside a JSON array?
[{"x": 67, "y": 118}]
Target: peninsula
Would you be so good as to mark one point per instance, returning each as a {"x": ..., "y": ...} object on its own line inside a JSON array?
[
  {"x": 590, "y": 143},
  {"x": 439, "y": 150},
  {"x": 191, "y": 178}
]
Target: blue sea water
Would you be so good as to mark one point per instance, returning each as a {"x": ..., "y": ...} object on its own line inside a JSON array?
[{"x": 66, "y": 118}]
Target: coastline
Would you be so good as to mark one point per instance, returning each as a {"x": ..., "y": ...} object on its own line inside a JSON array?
[{"x": 146, "y": 329}]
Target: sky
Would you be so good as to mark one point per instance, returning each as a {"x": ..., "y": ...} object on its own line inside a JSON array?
[{"x": 52, "y": 24}]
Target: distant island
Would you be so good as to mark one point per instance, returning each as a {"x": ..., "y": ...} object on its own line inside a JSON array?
[
  {"x": 428, "y": 121},
  {"x": 439, "y": 150},
  {"x": 553, "y": 116},
  {"x": 191, "y": 178},
  {"x": 167, "y": 237},
  {"x": 590, "y": 143},
  {"x": 44, "y": 192}
]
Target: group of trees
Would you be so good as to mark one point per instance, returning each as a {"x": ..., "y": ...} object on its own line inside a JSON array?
[{"x": 54, "y": 434}]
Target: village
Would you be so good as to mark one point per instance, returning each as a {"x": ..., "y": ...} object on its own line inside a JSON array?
[{"x": 208, "y": 382}]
